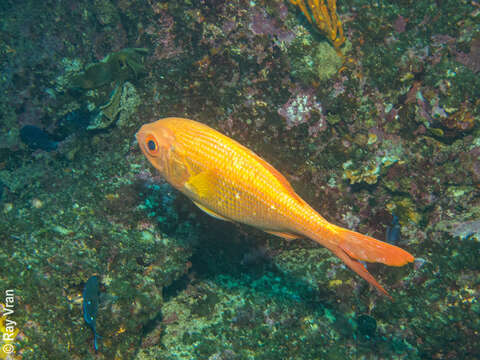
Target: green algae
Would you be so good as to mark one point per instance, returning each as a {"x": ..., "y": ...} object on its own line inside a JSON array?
[
  {"x": 119, "y": 66},
  {"x": 372, "y": 167},
  {"x": 314, "y": 61}
]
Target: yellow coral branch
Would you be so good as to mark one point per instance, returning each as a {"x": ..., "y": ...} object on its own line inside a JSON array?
[{"x": 325, "y": 18}]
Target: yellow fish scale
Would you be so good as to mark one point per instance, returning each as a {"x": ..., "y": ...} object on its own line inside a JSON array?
[{"x": 241, "y": 187}]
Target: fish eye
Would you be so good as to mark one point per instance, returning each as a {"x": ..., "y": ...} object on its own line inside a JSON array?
[{"x": 152, "y": 144}]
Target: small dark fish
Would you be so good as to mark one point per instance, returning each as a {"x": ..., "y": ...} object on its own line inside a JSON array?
[
  {"x": 36, "y": 138},
  {"x": 73, "y": 123},
  {"x": 90, "y": 306},
  {"x": 393, "y": 231}
]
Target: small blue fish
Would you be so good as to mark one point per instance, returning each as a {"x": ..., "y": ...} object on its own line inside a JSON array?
[
  {"x": 393, "y": 231},
  {"x": 75, "y": 122},
  {"x": 36, "y": 138},
  {"x": 90, "y": 306}
]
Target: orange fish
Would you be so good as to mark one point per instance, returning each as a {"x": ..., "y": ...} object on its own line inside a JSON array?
[{"x": 231, "y": 182}]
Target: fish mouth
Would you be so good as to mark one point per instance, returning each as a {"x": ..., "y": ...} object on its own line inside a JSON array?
[{"x": 140, "y": 136}]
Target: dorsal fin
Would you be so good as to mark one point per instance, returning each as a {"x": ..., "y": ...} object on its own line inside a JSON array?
[{"x": 288, "y": 187}]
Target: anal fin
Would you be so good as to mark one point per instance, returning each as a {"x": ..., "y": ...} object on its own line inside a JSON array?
[{"x": 286, "y": 236}]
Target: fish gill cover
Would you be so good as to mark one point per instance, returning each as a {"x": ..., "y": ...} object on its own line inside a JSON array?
[{"x": 387, "y": 126}]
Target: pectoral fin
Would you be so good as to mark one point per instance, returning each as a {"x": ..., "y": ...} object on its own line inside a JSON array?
[
  {"x": 210, "y": 212},
  {"x": 286, "y": 236},
  {"x": 202, "y": 184}
]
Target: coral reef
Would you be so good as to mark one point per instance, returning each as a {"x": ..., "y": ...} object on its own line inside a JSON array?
[{"x": 122, "y": 105}]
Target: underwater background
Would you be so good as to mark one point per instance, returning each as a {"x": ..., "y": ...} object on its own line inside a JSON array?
[{"x": 373, "y": 117}]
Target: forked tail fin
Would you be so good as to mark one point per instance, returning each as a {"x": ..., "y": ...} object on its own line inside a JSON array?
[
  {"x": 352, "y": 247},
  {"x": 366, "y": 248},
  {"x": 361, "y": 270}
]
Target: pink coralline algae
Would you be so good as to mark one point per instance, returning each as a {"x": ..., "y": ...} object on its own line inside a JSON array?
[
  {"x": 472, "y": 59},
  {"x": 466, "y": 229},
  {"x": 400, "y": 24},
  {"x": 163, "y": 37},
  {"x": 300, "y": 108},
  {"x": 428, "y": 109},
  {"x": 263, "y": 24}
]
